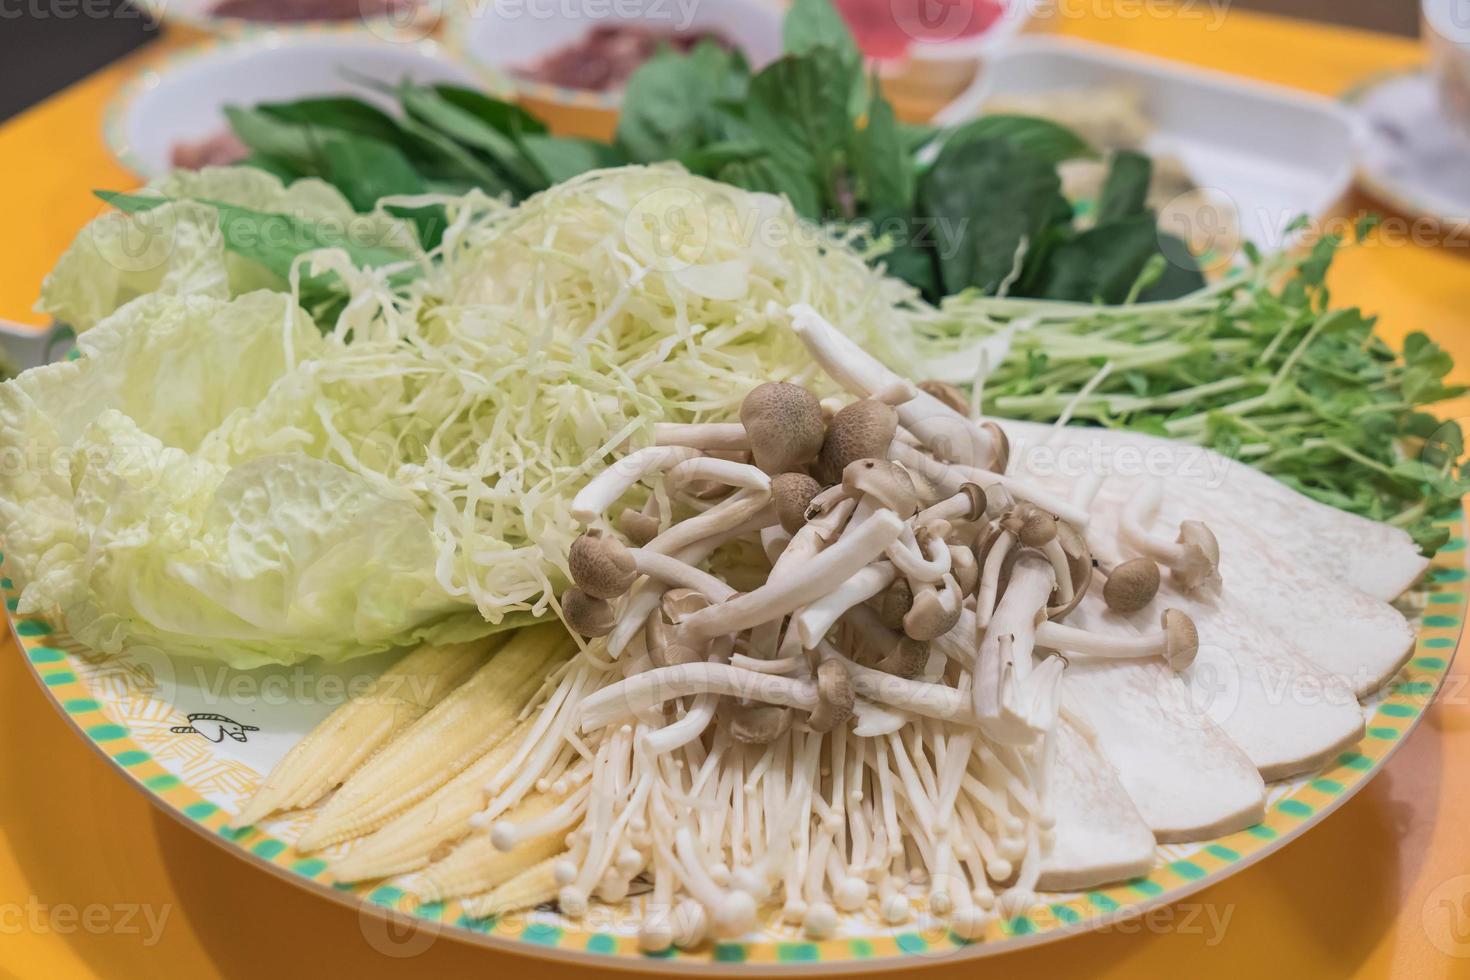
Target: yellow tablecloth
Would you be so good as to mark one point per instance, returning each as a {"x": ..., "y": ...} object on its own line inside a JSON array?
[{"x": 95, "y": 883}]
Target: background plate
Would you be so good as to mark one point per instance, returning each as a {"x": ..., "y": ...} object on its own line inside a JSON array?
[{"x": 135, "y": 708}]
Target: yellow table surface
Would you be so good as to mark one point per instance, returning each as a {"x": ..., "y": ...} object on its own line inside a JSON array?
[{"x": 94, "y": 882}]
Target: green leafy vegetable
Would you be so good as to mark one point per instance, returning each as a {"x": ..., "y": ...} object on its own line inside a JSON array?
[{"x": 1256, "y": 367}]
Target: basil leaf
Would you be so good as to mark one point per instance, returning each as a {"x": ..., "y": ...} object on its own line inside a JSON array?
[
  {"x": 812, "y": 24},
  {"x": 798, "y": 111},
  {"x": 988, "y": 199},
  {"x": 337, "y": 113},
  {"x": 771, "y": 177}
]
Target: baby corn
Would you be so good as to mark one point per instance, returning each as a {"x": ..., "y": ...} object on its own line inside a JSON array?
[
  {"x": 352, "y": 733},
  {"x": 410, "y": 840},
  {"x": 437, "y": 747},
  {"x": 477, "y": 865},
  {"x": 532, "y": 887}
]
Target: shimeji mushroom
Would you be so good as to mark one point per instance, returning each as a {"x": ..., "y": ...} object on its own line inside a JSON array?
[
  {"x": 603, "y": 490},
  {"x": 601, "y": 565},
  {"x": 707, "y": 436},
  {"x": 784, "y": 425},
  {"x": 1131, "y": 586},
  {"x": 792, "y": 494},
  {"x": 1193, "y": 558},
  {"x": 862, "y": 430},
  {"x": 1177, "y": 641},
  {"x": 586, "y": 614}
]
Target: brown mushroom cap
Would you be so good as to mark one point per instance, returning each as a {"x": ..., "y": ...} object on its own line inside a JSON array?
[
  {"x": 1079, "y": 564},
  {"x": 792, "y": 494},
  {"x": 1002, "y": 459},
  {"x": 835, "y": 697},
  {"x": 1202, "y": 550},
  {"x": 894, "y": 603},
  {"x": 1181, "y": 643},
  {"x": 862, "y": 430},
  {"x": 1034, "y": 527},
  {"x": 886, "y": 482},
  {"x": 948, "y": 394},
  {"x": 929, "y": 618},
  {"x": 784, "y": 424},
  {"x": 637, "y": 527},
  {"x": 979, "y": 504},
  {"x": 587, "y": 615},
  {"x": 680, "y": 604},
  {"x": 1132, "y": 585},
  {"x": 601, "y": 565},
  {"x": 666, "y": 647},
  {"x": 758, "y": 724},
  {"x": 907, "y": 660}
]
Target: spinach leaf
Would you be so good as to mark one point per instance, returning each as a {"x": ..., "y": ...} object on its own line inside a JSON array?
[
  {"x": 561, "y": 158},
  {"x": 1041, "y": 138},
  {"x": 271, "y": 239},
  {"x": 770, "y": 176},
  {"x": 880, "y": 158},
  {"x": 1125, "y": 191},
  {"x": 469, "y": 129},
  {"x": 366, "y": 170},
  {"x": 335, "y": 113},
  {"x": 671, "y": 101},
  {"x": 989, "y": 199}
]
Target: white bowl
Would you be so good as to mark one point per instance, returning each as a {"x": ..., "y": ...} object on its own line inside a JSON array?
[
  {"x": 184, "y": 99},
  {"x": 498, "y": 37},
  {"x": 1445, "y": 26},
  {"x": 1275, "y": 154}
]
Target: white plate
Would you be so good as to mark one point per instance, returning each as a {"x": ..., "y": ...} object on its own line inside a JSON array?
[
  {"x": 184, "y": 99},
  {"x": 1412, "y": 157},
  {"x": 498, "y": 37},
  {"x": 1276, "y": 154}
]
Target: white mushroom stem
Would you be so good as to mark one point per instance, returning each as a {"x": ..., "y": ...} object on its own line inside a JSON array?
[
  {"x": 727, "y": 517},
  {"x": 707, "y": 436},
  {"x": 672, "y": 572},
  {"x": 947, "y": 479},
  {"x": 1003, "y": 662},
  {"x": 1194, "y": 558},
  {"x": 813, "y": 621},
  {"x": 939, "y": 701},
  {"x": 940, "y": 428},
  {"x": 1070, "y": 639},
  {"x": 914, "y": 564},
  {"x": 990, "y": 577},
  {"x": 505, "y": 835},
  {"x": 1058, "y": 558},
  {"x": 779, "y": 665},
  {"x": 731, "y": 474},
  {"x": 682, "y": 731},
  {"x": 640, "y": 692},
  {"x": 822, "y": 574},
  {"x": 603, "y": 490},
  {"x": 815, "y": 535},
  {"x": 774, "y": 541}
]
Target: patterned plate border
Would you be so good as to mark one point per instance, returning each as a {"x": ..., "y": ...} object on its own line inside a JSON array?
[{"x": 1444, "y": 592}]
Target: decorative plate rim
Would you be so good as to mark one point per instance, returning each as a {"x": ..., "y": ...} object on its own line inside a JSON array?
[
  {"x": 115, "y": 113},
  {"x": 1393, "y": 721}
]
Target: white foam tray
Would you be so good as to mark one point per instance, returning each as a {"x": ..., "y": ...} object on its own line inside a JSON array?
[{"x": 1276, "y": 153}]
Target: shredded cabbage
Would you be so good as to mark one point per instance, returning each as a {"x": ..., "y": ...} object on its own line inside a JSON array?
[{"x": 458, "y": 414}]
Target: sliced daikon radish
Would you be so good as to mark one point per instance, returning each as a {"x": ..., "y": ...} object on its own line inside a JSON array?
[{"x": 1099, "y": 837}]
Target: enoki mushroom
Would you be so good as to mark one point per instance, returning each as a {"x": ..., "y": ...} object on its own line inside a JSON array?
[{"x": 867, "y": 730}]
